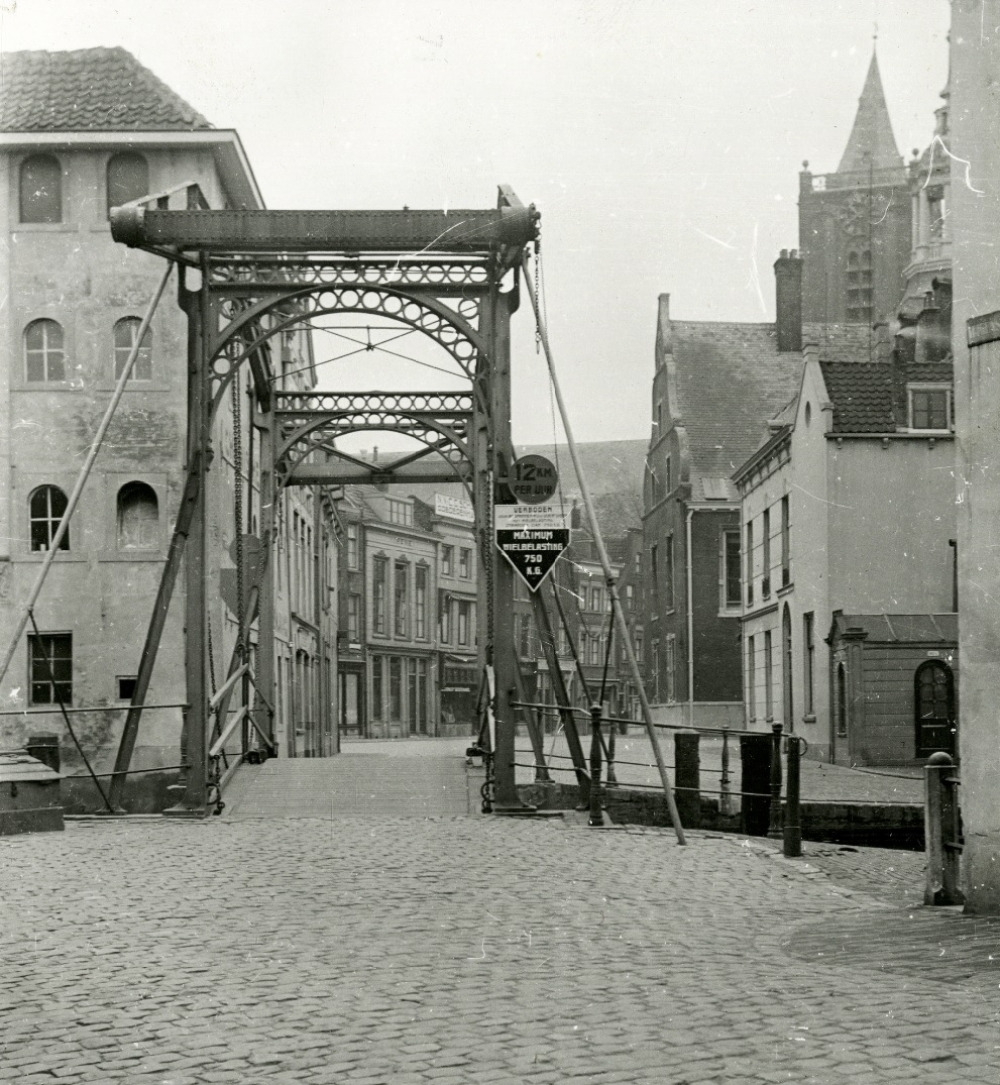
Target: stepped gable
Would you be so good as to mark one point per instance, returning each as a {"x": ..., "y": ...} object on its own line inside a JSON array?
[
  {"x": 871, "y": 144},
  {"x": 88, "y": 90}
]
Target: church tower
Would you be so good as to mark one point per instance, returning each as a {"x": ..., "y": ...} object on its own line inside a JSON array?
[{"x": 854, "y": 224}]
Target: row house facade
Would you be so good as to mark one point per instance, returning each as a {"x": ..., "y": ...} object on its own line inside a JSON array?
[
  {"x": 408, "y": 637},
  {"x": 81, "y": 132}
]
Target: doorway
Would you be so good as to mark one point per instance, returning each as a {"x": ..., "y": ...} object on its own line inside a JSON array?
[{"x": 934, "y": 703}]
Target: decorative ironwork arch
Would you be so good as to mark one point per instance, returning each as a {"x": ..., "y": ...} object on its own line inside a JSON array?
[
  {"x": 310, "y": 421},
  {"x": 242, "y": 336}
]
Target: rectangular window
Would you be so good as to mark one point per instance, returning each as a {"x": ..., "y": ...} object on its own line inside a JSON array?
[
  {"x": 638, "y": 646},
  {"x": 464, "y": 620},
  {"x": 670, "y": 663},
  {"x": 395, "y": 688},
  {"x": 768, "y": 673},
  {"x": 420, "y": 601},
  {"x": 377, "y": 701},
  {"x": 400, "y": 512},
  {"x": 786, "y": 543},
  {"x": 444, "y": 619},
  {"x": 522, "y": 632},
  {"x": 596, "y": 602},
  {"x": 629, "y": 596},
  {"x": 668, "y": 574},
  {"x": 765, "y": 586},
  {"x": 930, "y": 409},
  {"x": 352, "y": 546},
  {"x": 448, "y": 560},
  {"x": 401, "y": 589},
  {"x": 749, "y": 562},
  {"x": 126, "y": 686},
  {"x": 50, "y": 668},
  {"x": 668, "y": 480},
  {"x": 584, "y": 645},
  {"x": 464, "y": 562},
  {"x": 637, "y": 565},
  {"x": 751, "y": 679},
  {"x": 808, "y": 661},
  {"x": 730, "y": 573},
  {"x": 354, "y": 617},
  {"x": 654, "y": 578},
  {"x": 596, "y": 654},
  {"x": 380, "y": 575}
]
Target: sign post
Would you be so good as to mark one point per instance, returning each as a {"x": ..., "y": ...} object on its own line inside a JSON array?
[{"x": 531, "y": 538}]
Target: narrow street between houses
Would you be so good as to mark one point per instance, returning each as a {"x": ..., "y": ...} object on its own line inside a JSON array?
[{"x": 313, "y": 934}]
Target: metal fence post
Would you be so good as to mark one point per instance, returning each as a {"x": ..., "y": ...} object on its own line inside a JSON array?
[
  {"x": 793, "y": 821},
  {"x": 774, "y": 828},
  {"x": 596, "y": 817},
  {"x": 941, "y": 833}
]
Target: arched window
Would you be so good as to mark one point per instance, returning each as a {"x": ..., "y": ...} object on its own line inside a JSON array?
[
  {"x": 44, "y": 353},
  {"x": 45, "y": 509},
  {"x": 128, "y": 178},
  {"x": 126, "y": 332},
  {"x": 138, "y": 517},
  {"x": 41, "y": 189}
]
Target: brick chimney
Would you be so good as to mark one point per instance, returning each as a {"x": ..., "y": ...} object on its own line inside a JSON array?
[{"x": 788, "y": 300}]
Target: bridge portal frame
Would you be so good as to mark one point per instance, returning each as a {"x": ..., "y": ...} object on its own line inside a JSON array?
[{"x": 248, "y": 276}]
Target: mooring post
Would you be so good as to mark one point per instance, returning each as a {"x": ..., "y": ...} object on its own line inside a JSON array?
[
  {"x": 596, "y": 817},
  {"x": 793, "y": 820},
  {"x": 725, "y": 782},
  {"x": 941, "y": 841},
  {"x": 612, "y": 779},
  {"x": 774, "y": 827}
]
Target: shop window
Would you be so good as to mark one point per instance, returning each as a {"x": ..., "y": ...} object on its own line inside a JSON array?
[
  {"x": 41, "y": 189},
  {"x": 138, "y": 517},
  {"x": 45, "y": 509},
  {"x": 44, "y": 351}
]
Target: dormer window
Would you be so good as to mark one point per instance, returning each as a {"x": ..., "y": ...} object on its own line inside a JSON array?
[{"x": 930, "y": 408}]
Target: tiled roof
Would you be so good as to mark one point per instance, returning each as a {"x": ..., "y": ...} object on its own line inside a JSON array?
[
  {"x": 730, "y": 381},
  {"x": 88, "y": 90},
  {"x": 862, "y": 396},
  {"x": 902, "y": 628}
]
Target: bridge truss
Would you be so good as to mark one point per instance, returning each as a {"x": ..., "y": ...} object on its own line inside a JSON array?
[{"x": 248, "y": 276}]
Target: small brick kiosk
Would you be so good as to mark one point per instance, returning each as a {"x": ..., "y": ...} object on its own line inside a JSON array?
[
  {"x": 893, "y": 687},
  {"x": 30, "y": 799}
]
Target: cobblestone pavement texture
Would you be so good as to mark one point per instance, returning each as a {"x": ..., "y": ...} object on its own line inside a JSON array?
[{"x": 367, "y": 948}]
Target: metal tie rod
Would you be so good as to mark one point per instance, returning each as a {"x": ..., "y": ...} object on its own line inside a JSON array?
[{"x": 609, "y": 575}]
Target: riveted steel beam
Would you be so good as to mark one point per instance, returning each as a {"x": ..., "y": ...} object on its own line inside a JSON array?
[
  {"x": 342, "y": 474},
  {"x": 460, "y": 231}
]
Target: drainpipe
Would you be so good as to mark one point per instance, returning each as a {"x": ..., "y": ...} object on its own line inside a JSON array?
[{"x": 690, "y": 617}]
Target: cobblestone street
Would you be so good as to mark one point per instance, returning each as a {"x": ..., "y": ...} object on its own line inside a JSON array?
[{"x": 367, "y": 948}]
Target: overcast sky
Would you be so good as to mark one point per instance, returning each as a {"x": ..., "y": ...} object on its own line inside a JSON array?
[{"x": 660, "y": 139}]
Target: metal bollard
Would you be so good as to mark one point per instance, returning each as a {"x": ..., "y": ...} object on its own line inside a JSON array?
[
  {"x": 793, "y": 819},
  {"x": 774, "y": 828},
  {"x": 687, "y": 778},
  {"x": 725, "y": 783},
  {"x": 596, "y": 817},
  {"x": 611, "y": 777},
  {"x": 941, "y": 831}
]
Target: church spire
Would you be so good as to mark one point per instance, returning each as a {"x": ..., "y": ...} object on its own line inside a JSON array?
[{"x": 871, "y": 143}]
